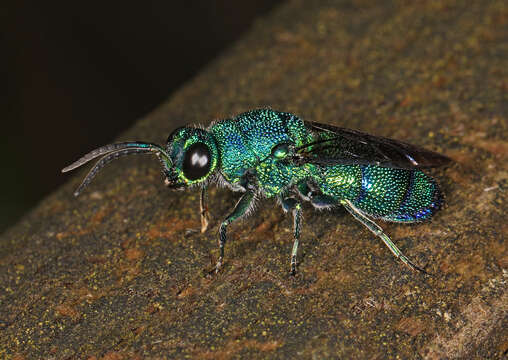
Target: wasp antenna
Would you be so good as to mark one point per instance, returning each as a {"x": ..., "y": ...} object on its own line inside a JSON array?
[
  {"x": 147, "y": 147},
  {"x": 107, "y": 159},
  {"x": 94, "y": 154}
]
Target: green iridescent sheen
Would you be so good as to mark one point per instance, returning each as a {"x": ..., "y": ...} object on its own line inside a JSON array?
[
  {"x": 246, "y": 143},
  {"x": 266, "y": 153},
  {"x": 178, "y": 142}
]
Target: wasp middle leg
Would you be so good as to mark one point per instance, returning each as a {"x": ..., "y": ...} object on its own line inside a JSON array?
[
  {"x": 293, "y": 205},
  {"x": 241, "y": 209}
]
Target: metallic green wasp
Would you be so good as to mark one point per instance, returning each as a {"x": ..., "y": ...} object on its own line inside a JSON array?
[{"x": 266, "y": 153}]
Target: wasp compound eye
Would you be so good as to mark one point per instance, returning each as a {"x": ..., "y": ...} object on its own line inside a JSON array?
[{"x": 196, "y": 162}]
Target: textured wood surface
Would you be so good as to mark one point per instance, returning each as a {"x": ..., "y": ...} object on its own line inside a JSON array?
[{"x": 117, "y": 274}]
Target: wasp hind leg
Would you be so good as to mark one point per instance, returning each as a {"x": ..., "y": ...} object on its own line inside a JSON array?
[
  {"x": 241, "y": 209},
  {"x": 376, "y": 229}
]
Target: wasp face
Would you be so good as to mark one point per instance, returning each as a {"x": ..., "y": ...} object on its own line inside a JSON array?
[
  {"x": 171, "y": 179},
  {"x": 193, "y": 157}
]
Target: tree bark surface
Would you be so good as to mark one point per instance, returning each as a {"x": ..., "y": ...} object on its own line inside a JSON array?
[{"x": 121, "y": 272}]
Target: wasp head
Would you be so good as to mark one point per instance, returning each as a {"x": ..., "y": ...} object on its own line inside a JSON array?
[
  {"x": 193, "y": 157},
  {"x": 190, "y": 157}
]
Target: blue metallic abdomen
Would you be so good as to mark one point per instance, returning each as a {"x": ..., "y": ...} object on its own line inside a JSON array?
[{"x": 391, "y": 194}]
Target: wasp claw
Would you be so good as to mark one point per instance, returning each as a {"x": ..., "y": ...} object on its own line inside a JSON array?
[
  {"x": 218, "y": 266},
  {"x": 204, "y": 222}
]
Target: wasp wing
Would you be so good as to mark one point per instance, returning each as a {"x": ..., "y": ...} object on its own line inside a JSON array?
[{"x": 335, "y": 145}]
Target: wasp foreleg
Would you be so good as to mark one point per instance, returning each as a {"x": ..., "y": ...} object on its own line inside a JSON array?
[
  {"x": 241, "y": 208},
  {"x": 376, "y": 229},
  {"x": 291, "y": 204},
  {"x": 203, "y": 207}
]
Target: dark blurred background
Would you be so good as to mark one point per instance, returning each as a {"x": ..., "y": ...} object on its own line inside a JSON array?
[{"x": 75, "y": 74}]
